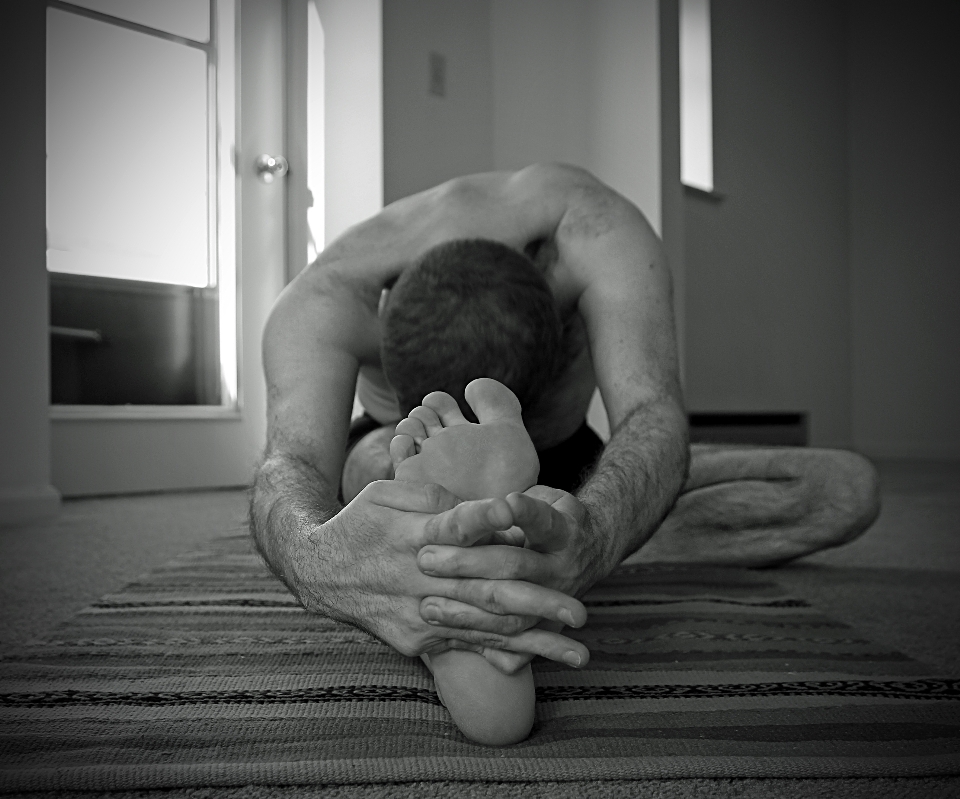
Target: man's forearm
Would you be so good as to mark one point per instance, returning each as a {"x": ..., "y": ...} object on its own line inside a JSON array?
[
  {"x": 635, "y": 483},
  {"x": 288, "y": 505}
]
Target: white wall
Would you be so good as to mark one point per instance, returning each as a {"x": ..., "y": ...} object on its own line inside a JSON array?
[
  {"x": 353, "y": 120},
  {"x": 905, "y": 228},
  {"x": 579, "y": 81},
  {"x": 624, "y": 93},
  {"x": 25, "y": 491},
  {"x": 541, "y": 78},
  {"x": 430, "y": 139},
  {"x": 576, "y": 81}
]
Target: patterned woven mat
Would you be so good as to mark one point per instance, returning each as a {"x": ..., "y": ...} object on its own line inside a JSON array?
[{"x": 207, "y": 673}]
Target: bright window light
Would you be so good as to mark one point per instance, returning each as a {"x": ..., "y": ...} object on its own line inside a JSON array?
[
  {"x": 127, "y": 150},
  {"x": 696, "y": 95}
]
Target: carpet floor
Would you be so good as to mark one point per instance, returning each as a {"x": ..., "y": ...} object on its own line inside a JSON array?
[{"x": 898, "y": 585}]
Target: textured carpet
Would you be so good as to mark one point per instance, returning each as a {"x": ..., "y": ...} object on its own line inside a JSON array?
[{"x": 206, "y": 673}]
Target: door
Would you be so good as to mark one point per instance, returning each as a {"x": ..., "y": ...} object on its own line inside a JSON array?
[{"x": 121, "y": 449}]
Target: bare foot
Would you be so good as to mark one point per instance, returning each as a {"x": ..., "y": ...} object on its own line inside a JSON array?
[
  {"x": 488, "y": 707},
  {"x": 436, "y": 444}
]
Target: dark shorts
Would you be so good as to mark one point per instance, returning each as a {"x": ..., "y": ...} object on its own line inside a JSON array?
[
  {"x": 564, "y": 466},
  {"x": 569, "y": 463}
]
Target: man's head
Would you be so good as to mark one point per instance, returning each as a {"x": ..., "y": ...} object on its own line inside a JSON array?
[{"x": 469, "y": 308}]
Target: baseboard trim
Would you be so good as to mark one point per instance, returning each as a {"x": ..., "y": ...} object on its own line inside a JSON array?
[
  {"x": 28, "y": 504},
  {"x": 777, "y": 428}
]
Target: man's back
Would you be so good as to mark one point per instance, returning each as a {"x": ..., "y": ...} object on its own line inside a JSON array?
[{"x": 326, "y": 324}]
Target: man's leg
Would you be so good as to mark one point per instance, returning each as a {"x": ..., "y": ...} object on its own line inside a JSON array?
[
  {"x": 367, "y": 460},
  {"x": 765, "y": 506}
]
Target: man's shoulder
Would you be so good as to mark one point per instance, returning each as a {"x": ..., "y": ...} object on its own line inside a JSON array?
[
  {"x": 554, "y": 175},
  {"x": 536, "y": 188},
  {"x": 325, "y": 307},
  {"x": 545, "y": 176},
  {"x": 543, "y": 189}
]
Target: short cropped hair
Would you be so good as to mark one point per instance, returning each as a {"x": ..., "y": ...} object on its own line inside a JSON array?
[{"x": 469, "y": 308}]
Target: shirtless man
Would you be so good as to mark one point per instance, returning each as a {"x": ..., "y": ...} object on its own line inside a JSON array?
[{"x": 396, "y": 560}]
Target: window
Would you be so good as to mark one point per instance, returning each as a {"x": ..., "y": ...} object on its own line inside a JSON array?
[
  {"x": 141, "y": 201},
  {"x": 696, "y": 96}
]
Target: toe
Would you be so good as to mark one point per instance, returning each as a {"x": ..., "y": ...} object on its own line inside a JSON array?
[
  {"x": 429, "y": 418},
  {"x": 446, "y": 408},
  {"x": 402, "y": 447},
  {"x": 413, "y": 427},
  {"x": 492, "y": 401}
]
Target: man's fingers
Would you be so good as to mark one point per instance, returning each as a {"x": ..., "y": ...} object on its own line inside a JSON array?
[
  {"x": 536, "y": 641},
  {"x": 492, "y": 562},
  {"x": 468, "y": 523},
  {"x": 439, "y": 610},
  {"x": 546, "y": 528},
  {"x": 443, "y": 644},
  {"x": 514, "y": 597},
  {"x": 548, "y": 494},
  {"x": 507, "y": 662},
  {"x": 513, "y": 537},
  {"x": 413, "y": 497},
  {"x": 453, "y": 643}
]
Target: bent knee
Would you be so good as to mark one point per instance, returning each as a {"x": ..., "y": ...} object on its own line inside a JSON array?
[{"x": 852, "y": 494}]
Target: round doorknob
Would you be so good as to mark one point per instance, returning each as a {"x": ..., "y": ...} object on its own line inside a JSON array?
[{"x": 270, "y": 167}]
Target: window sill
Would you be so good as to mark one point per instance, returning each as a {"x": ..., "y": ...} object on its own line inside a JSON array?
[
  {"x": 143, "y": 412},
  {"x": 713, "y": 194}
]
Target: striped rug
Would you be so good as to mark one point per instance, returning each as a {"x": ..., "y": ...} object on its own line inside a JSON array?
[{"x": 206, "y": 673}]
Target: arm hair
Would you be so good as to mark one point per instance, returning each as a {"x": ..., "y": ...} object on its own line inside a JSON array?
[
  {"x": 291, "y": 507},
  {"x": 635, "y": 483}
]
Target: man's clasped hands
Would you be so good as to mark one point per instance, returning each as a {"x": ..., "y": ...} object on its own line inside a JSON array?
[{"x": 431, "y": 572}]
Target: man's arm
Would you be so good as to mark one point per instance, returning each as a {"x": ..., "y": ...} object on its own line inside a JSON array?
[
  {"x": 628, "y": 310},
  {"x": 310, "y": 374}
]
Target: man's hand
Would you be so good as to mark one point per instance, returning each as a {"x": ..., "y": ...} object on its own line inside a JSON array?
[
  {"x": 559, "y": 554},
  {"x": 365, "y": 559}
]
